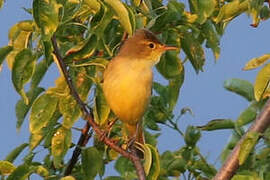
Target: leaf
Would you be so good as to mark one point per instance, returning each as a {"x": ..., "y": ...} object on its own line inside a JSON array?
[
  {"x": 241, "y": 87},
  {"x": 248, "y": 115},
  {"x": 22, "y": 71},
  {"x": 174, "y": 88},
  {"x": 61, "y": 142},
  {"x": 40, "y": 70},
  {"x": 114, "y": 178},
  {"x": 68, "y": 178},
  {"x": 192, "y": 136},
  {"x": 4, "y": 51},
  {"x": 193, "y": 50},
  {"x": 82, "y": 51},
  {"x": 22, "y": 109},
  {"x": 254, "y": 10},
  {"x": 124, "y": 166},
  {"x": 70, "y": 110},
  {"x": 42, "y": 110},
  {"x": 20, "y": 173},
  {"x": 1, "y": 3},
  {"x": 45, "y": 14},
  {"x": 92, "y": 162},
  {"x": 212, "y": 38},
  {"x": 155, "y": 165},
  {"x": 35, "y": 139},
  {"x": 256, "y": 62},
  {"x": 247, "y": 146},
  {"x": 6, "y": 168},
  {"x": 147, "y": 159},
  {"x": 170, "y": 66},
  {"x": 101, "y": 108},
  {"x": 172, "y": 164},
  {"x": 122, "y": 14},
  {"x": 261, "y": 89},
  {"x": 204, "y": 9},
  {"x": 42, "y": 171},
  {"x": 230, "y": 10},
  {"x": 218, "y": 124},
  {"x": 15, "y": 152}
]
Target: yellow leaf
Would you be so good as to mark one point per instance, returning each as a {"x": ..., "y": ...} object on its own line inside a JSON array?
[
  {"x": 256, "y": 62},
  {"x": 122, "y": 14},
  {"x": 261, "y": 86}
]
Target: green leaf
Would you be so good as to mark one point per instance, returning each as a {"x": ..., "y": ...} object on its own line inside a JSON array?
[
  {"x": 40, "y": 70},
  {"x": 70, "y": 110},
  {"x": 254, "y": 10},
  {"x": 170, "y": 65},
  {"x": 22, "y": 71},
  {"x": 4, "y": 51},
  {"x": 172, "y": 164},
  {"x": 193, "y": 50},
  {"x": 92, "y": 162},
  {"x": 155, "y": 165},
  {"x": 42, "y": 110},
  {"x": 15, "y": 152},
  {"x": 261, "y": 84},
  {"x": 124, "y": 166},
  {"x": 82, "y": 51},
  {"x": 174, "y": 88},
  {"x": 61, "y": 142},
  {"x": 218, "y": 124},
  {"x": 235, "y": 137},
  {"x": 35, "y": 139},
  {"x": 22, "y": 109},
  {"x": 45, "y": 14},
  {"x": 243, "y": 177},
  {"x": 20, "y": 173},
  {"x": 114, "y": 178},
  {"x": 6, "y": 168},
  {"x": 247, "y": 146},
  {"x": 192, "y": 136},
  {"x": 203, "y": 9},
  {"x": 256, "y": 62},
  {"x": 248, "y": 115},
  {"x": 122, "y": 13},
  {"x": 212, "y": 38},
  {"x": 241, "y": 87},
  {"x": 101, "y": 108}
]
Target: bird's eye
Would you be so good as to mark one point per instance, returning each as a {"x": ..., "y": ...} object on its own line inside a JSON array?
[{"x": 151, "y": 45}]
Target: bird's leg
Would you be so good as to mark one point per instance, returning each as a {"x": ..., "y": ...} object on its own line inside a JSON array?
[{"x": 108, "y": 129}]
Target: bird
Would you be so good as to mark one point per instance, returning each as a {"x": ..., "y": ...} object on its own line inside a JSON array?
[{"x": 128, "y": 77}]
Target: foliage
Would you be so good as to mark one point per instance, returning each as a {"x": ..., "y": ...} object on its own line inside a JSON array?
[{"x": 89, "y": 33}]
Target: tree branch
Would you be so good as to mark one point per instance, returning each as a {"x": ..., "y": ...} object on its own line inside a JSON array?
[
  {"x": 261, "y": 123},
  {"x": 88, "y": 115},
  {"x": 77, "y": 151}
]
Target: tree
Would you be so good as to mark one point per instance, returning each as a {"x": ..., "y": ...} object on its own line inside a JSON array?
[{"x": 80, "y": 37}]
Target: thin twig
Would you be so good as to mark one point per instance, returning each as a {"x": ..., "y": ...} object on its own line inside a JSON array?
[
  {"x": 77, "y": 151},
  {"x": 261, "y": 123},
  {"x": 88, "y": 115}
]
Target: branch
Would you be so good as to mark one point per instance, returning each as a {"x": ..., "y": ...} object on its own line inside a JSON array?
[
  {"x": 88, "y": 115},
  {"x": 261, "y": 123},
  {"x": 77, "y": 151}
]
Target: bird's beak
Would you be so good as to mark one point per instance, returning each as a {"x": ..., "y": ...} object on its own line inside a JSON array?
[{"x": 168, "y": 48}]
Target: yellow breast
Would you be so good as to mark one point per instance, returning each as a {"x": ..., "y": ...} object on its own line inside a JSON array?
[{"x": 127, "y": 89}]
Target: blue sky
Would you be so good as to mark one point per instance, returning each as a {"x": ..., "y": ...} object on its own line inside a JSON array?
[{"x": 203, "y": 93}]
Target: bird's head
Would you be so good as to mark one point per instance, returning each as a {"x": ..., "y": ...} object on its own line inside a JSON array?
[{"x": 145, "y": 46}]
